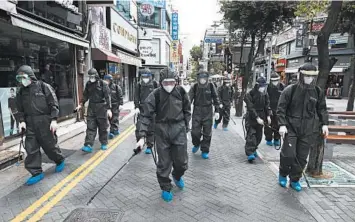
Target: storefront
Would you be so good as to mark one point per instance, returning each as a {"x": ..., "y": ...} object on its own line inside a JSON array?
[
  {"x": 34, "y": 39},
  {"x": 124, "y": 37}
]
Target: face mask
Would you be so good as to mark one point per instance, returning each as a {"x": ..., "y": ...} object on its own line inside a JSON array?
[
  {"x": 145, "y": 80},
  {"x": 92, "y": 79},
  {"x": 308, "y": 80},
  {"x": 26, "y": 82},
  {"x": 275, "y": 83},
  {"x": 106, "y": 81},
  {"x": 203, "y": 81},
  {"x": 262, "y": 89},
  {"x": 168, "y": 89}
]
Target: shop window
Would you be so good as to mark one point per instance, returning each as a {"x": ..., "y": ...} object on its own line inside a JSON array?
[
  {"x": 51, "y": 60},
  {"x": 334, "y": 85}
]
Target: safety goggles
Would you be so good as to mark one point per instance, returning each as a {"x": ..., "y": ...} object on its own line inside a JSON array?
[
  {"x": 146, "y": 75},
  {"x": 168, "y": 82},
  {"x": 20, "y": 76}
]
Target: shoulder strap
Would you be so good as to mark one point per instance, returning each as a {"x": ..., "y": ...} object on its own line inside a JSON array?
[{"x": 155, "y": 84}]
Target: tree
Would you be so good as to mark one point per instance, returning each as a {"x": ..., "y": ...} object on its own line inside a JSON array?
[
  {"x": 310, "y": 9},
  {"x": 218, "y": 67},
  {"x": 256, "y": 19},
  {"x": 346, "y": 24},
  {"x": 196, "y": 53}
]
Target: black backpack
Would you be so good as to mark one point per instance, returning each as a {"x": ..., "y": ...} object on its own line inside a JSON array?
[{"x": 157, "y": 94}]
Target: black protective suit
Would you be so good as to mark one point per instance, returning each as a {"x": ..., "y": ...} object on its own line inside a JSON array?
[
  {"x": 173, "y": 114},
  {"x": 204, "y": 97},
  {"x": 226, "y": 94},
  {"x": 274, "y": 93},
  {"x": 141, "y": 93},
  {"x": 116, "y": 102},
  {"x": 303, "y": 110},
  {"x": 37, "y": 106},
  {"x": 98, "y": 94},
  {"x": 258, "y": 105}
]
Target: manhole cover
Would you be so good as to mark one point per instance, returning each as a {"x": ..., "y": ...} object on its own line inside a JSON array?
[
  {"x": 335, "y": 177},
  {"x": 94, "y": 215}
]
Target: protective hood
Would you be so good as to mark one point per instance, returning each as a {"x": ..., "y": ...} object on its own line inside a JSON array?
[
  {"x": 274, "y": 77},
  {"x": 92, "y": 72},
  {"x": 166, "y": 73},
  {"x": 25, "y": 69}
]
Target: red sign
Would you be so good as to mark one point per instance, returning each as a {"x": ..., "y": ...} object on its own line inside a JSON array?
[{"x": 280, "y": 65}]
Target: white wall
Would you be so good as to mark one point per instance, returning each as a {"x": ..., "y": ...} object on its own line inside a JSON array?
[{"x": 164, "y": 37}]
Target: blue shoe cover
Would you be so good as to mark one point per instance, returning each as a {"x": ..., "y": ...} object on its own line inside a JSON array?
[
  {"x": 215, "y": 125},
  {"x": 116, "y": 132},
  {"x": 255, "y": 154},
  {"x": 296, "y": 186},
  {"x": 167, "y": 196},
  {"x": 204, "y": 155},
  {"x": 269, "y": 143},
  {"x": 180, "y": 183},
  {"x": 195, "y": 149},
  {"x": 282, "y": 181},
  {"x": 148, "y": 150},
  {"x": 225, "y": 129},
  {"x": 87, "y": 149},
  {"x": 251, "y": 157},
  {"x": 104, "y": 146},
  {"x": 60, "y": 167},
  {"x": 34, "y": 179},
  {"x": 111, "y": 135},
  {"x": 276, "y": 142}
]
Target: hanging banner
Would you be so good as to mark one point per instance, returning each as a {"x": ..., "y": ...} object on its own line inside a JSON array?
[{"x": 175, "y": 51}]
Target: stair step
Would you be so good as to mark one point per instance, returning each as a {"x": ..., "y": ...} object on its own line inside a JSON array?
[{"x": 8, "y": 158}]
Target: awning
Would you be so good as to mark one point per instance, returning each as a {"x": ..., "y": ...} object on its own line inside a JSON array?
[
  {"x": 44, "y": 29},
  {"x": 102, "y": 55},
  {"x": 338, "y": 69},
  {"x": 8, "y": 6},
  {"x": 129, "y": 59},
  {"x": 291, "y": 70}
]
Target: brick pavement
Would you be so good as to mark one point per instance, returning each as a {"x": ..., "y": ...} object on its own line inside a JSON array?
[{"x": 224, "y": 188}]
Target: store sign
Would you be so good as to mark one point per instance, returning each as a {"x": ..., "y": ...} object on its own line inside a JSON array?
[
  {"x": 146, "y": 9},
  {"x": 175, "y": 26},
  {"x": 128, "y": 59},
  {"x": 100, "y": 37},
  {"x": 175, "y": 51},
  {"x": 214, "y": 40},
  {"x": 281, "y": 63},
  {"x": 145, "y": 48},
  {"x": 150, "y": 51},
  {"x": 123, "y": 34}
]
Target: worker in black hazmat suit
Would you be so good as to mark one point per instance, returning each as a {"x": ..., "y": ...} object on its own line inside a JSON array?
[
  {"x": 116, "y": 102},
  {"x": 274, "y": 90},
  {"x": 258, "y": 111},
  {"x": 225, "y": 93},
  {"x": 143, "y": 89},
  {"x": 38, "y": 110},
  {"x": 98, "y": 93},
  {"x": 302, "y": 115},
  {"x": 172, "y": 107},
  {"x": 204, "y": 96}
]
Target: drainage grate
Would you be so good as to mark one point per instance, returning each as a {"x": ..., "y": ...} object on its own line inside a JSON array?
[
  {"x": 94, "y": 215},
  {"x": 338, "y": 177}
]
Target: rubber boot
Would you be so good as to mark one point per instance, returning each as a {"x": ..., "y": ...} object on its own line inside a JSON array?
[
  {"x": 251, "y": 158},
  {"x": 269, "y": 142},
  {"x": 104, "y": 147},
  {"x": 255, "y": 154},
  {"x": 116, "y": 132},
  {"x": 204, "y": 156},
  {"x": 282, "y": 181},
  {"x": 215, "y": 125},
  {"x": 34, "y": 179},
  {"x": 179, "y": 183},
  {"x": 225, "y": 129},
  {"x": 87, "y": 149},
  {"x": 296, "y": 186},
  {"x": 60, "y": 167},
  {"x": 111, "y": 136},
  {"x": 148, "y": 150},
  {"x": 195, "y": 149},
  {"x": 167, "y": 196},
  {"x": 276, "y": 142}
]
